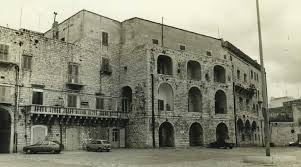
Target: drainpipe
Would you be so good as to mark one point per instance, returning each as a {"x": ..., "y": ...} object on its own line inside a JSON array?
[
  {"x": 235, "y": 116},
  {"x": 153, "y": 113},
  {"x": 16, "y": 114}
]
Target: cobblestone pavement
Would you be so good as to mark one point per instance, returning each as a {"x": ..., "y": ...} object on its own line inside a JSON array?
[{"x": 180, "y": 157}]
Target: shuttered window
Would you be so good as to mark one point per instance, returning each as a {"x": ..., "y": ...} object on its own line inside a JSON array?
[
  {"x": 3, "y": 52},
  {"x": 100, "y": 103},
  {"x": 27, "y": 61},
  {"x": 105, "y": 39},
  {"x": 37, "y": 98},
  {"x": 72, "y": 100}
]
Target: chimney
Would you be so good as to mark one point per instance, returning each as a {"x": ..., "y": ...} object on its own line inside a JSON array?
[{"x": 55, "y": 28}]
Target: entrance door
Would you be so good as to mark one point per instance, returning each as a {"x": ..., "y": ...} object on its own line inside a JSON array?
[
  {"x": 72, "y": 137},
  {"x": 166, "y": 135},
  {"x": 5, "y": 131}
]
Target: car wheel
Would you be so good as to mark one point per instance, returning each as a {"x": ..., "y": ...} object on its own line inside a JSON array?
[
  {"x": 108, "y": 150},
  {"x": 57, "y": 151},
  {"x": 28, "y": 151},
  {"x": 88, "y": 149},
  {"x": 99, "y": 149},
  {"x": 53, "y": 151}
]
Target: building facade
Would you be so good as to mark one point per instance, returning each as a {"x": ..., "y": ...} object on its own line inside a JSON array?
[{"x": 136, "y": 83}]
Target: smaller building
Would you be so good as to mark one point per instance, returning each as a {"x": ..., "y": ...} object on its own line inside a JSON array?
[
  {"x": 278, "y": 101},
  {"x": 285, "y": 123}
]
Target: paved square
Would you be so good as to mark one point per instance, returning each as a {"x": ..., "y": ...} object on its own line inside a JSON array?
[{"x": 179, "y": 157}]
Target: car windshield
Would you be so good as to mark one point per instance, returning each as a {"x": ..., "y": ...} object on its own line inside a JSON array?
[
  {"x": 39, "y": 143},
  {"x": 105, "y": 142}
]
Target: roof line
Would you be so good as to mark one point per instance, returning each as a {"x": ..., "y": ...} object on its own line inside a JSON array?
[
  {"x": 83, "y": 10},
  {"x": 173, "y": 27}
]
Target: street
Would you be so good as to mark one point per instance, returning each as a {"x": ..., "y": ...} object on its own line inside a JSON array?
[{"x": 179, "y": 157}]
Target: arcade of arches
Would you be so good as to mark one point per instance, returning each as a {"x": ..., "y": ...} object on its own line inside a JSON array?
[{"x": 247, "y": 133}]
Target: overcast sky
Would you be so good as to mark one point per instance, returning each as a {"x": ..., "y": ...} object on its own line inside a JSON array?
[{"x": 235, "y": 19}]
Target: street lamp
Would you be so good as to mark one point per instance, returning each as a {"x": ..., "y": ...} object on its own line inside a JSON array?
[{"x": 265, "y": 111}]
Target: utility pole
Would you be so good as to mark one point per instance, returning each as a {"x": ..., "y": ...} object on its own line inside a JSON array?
[{"x": 265, "y": 111}]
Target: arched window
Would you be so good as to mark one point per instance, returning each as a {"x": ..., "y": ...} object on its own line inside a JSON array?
[
  {"x": 220, "y": 102},
  {"x": 193, "y": 70},
  {"x": 126, "y": 99},
  {"x": 164, "y": 65},
  {"x": 194, "y": 100},
  {"x": 165, "y": 97},
  {"x": 219, "y": 74}
]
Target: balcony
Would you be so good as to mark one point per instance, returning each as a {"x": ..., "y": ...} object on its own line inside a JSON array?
[
  {"x": 74, "y": 82},
  {"x": 41, "y": 112},
  {"x": 249, "y": 90}
]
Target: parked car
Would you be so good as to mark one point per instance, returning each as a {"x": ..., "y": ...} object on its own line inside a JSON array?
[
  {"x": 221, "y": 145},
  {"x": 43, "y": 146},
  {"x": 297, "y": 143},
  {"x": 98, "y": 145}
]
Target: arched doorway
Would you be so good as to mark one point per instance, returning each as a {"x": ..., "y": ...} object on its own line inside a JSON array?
[
  {"x": 254, "y": 134},
  {"x": 222, "y": 132},
  {"x": 196, "y": 135},
  {"x": 5, "y": 131},
  {"x": 166, "y": 135},
  {"x": 248, "y": 130},
  {"x": 240, "y": 131}
]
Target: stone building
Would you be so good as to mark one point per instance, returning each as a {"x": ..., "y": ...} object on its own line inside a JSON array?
[
  {"x": 136, "y": 83},
  {"x": 285, "y": 123}
]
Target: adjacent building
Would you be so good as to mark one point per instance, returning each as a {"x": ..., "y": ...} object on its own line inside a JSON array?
[{"x": 136, "y": 83}]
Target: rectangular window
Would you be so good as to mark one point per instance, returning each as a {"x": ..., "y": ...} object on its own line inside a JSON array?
[
  {"x": 105, "y": 66},
  {"x": 72, "y": 100},
  {"x": 2, "y": 93},
  {"x": 161, "y": 105},
  {"x": 105, "y": 39},
  {"x": 37, "y": 97},
  {"x": 115, "y": 135},
  {"x": 182, "y": 47},
  {"x": 73, "y": 73},
  {"x": 238, "y": 74},
  {"x": 99, "y": 103},
  {"x": 208, "y": 53},
  {"x": 245, "y": 77},
  {"x": 251, "y": 74},
  {"x": 155, "y": 41},
  {"x": 27, "y": 61},
  {"x": 4, "y": 52}
]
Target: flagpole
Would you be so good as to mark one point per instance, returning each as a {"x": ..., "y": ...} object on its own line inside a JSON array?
[{"x": 265, "y": 111}]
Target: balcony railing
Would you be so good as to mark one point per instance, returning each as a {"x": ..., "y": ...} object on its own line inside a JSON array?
[
  {"x": 68, "y": 111},
  {"x": 74, "y": 82}
]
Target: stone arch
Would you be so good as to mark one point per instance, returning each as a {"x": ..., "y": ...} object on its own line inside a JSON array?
[
  {"x": 240, "y": 130},
  {"x": 195, "y": 100},
  {"x": 193, "y": 70},
  {"x": 165, "y": 97},
  {"x": 248, "y": 130},
  {"x": 164, "y": 65},
  {"x": 6, "y": 130},
  {"x": 166, "y": 135},
  {"x": 254, "y": 130},
  {"x": 38, "y": 133},
  {"x": 220, "y": 102},
  {"x": 126, "y": 99},
  {"x": 196, "y": 134},
  {"x": 222, "y": 132},
  {"x": 219, "y": 74}
]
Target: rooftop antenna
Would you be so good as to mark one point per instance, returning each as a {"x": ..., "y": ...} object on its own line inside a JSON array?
[
  {"x": 218, "y": 33},
  {"x": 55, "y": 13},
  {"x": 162, "y": 36},
  {"x": 21, "y": 13}
]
